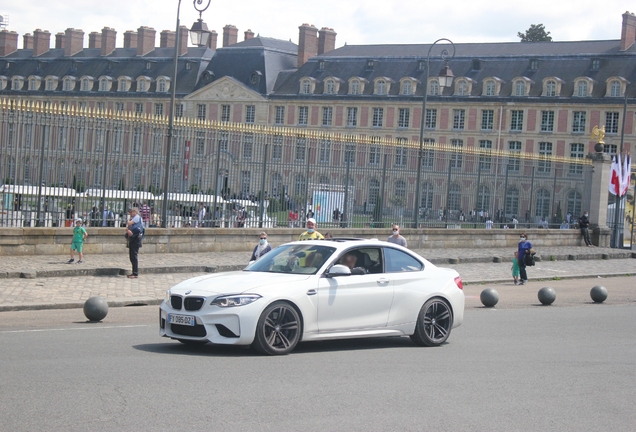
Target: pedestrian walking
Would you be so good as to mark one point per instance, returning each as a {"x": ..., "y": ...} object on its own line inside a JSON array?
[
  {"x": 395, "y": 237},
  {"x": 522, "y": 250},
  {"x": 584, "y": 225},
  {"x": 79, "y": 235},
  {"x": 134, "y": 234},
  {"x": 515, "y": 268},
  {"x": 311, "y": 233},
  {"x": 261, "y": 248}
]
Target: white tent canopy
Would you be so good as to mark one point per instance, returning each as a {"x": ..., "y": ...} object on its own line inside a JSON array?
[
  {"x": 192, "y": 198},
  {"x": 36, "y": 190},
  {"x": 118, "y": 194}
]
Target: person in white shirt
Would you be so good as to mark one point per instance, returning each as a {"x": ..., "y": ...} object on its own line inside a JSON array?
[{"x": 201, "y": 215}]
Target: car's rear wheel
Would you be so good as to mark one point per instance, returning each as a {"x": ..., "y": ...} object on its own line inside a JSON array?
[
  {"x": 434, "y": 323},
  {"x": 278, "y": 329}
]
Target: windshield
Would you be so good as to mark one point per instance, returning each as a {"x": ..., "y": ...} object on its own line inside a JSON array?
[{"x": 293, "y": 259}]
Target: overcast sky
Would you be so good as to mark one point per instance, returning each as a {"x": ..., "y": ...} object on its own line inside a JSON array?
[{"x": 356, "y": 22}]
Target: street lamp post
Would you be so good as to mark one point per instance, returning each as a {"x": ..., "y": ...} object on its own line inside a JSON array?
[
  {"x": 445, "y": 79},
  {"x": 200, "y": 36}
]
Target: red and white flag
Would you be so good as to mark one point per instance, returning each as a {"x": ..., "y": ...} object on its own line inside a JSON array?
[
  {"x": 626, "y": 173},
  {"x": 615, "y": 176}
]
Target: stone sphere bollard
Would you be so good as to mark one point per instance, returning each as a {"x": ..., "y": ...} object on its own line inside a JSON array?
[
  {"x": 547, "y": 296},
  {"x": 96, "y": 308},
  {"x": 598, "y": 294},
  {"x": 489, "y": 297}
]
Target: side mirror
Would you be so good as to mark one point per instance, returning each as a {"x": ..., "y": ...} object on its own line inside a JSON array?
[{"x": 338, "y": 270}]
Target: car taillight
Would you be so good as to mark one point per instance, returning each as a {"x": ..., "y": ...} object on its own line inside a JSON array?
[{"x": 459, "y": 283}]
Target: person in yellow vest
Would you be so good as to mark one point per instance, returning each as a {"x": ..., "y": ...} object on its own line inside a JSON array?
[{"x": 311, "y": 233}]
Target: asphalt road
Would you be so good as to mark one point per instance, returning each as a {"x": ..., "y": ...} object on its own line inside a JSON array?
[{"x": 530, "y": 368}]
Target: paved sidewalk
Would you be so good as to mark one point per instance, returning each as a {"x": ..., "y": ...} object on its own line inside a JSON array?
[{"x": 44, "y": 282}]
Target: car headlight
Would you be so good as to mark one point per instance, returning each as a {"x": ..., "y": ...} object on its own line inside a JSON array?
[
  {"x": 235, "y": 300},
  {"x": 166, "y": 300}
]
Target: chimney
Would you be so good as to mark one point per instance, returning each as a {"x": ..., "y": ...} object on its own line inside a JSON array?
[
  {"x": 307, "y": 43},
  {"x": 249, "y": 34},
  {"x": 214, "y": 37},
  {"x": 230, "y": 35},
  {"x": 8, "y": 42},
  {"x": 183, "y": 40},
  {"x": 41, "y": 42},
  {"x": 109, "y": 35},
  {"x": 628, "y": 33},
  {"x": 27, "y": 41},
  {"x": 130, "y": 39},
  {"x": 74, "y": 42},
  {"x": 145, "y": 40},
  {"x": 94, "y": 40},
  {"x": 326, "y": 40},
  {"x": 59, "y": 40},
  {"x": 166, "y": 39}
]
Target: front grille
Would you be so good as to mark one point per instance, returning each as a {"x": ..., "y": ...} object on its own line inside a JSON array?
[
  {"x": 195, "y": 331},
  {"x": 193, "y": 303},
  {"x": 176, "y": 302}
]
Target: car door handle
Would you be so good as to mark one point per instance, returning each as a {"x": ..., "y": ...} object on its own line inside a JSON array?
[
  {"x": 383, "y": 281},
  {"x": 312, "y": 292}
]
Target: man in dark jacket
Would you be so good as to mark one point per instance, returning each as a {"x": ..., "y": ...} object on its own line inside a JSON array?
[
  {"x": 584, "y": 224},
  {"x": 134, "y": 233}
]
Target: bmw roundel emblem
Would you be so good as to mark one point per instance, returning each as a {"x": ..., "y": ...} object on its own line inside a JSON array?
[{"x": 188, "y": 292}]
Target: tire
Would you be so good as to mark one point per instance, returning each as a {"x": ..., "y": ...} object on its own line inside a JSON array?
[
  {"x": 434, "y": 323},
  {"x": 189, "y": 342},
  {"x": 278, "y": 330}
]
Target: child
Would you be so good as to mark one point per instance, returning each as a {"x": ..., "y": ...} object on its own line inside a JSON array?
[
  {"x": 515, "y": 268},
  {"x": 79, "y": 235}
]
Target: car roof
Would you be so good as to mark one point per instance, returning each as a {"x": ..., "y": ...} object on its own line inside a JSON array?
[{"x": 342, "y": 242}]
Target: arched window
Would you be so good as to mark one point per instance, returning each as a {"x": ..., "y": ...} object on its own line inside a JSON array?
[
  {"x": 433, "y": 88},
  {"x": 462, "y": 88},
  {"x": 122, "y": 85},
  {"x": 305, "y": 86},
  {"x": 454, "y": 197},
  {"x": 550, "y": 88},
  {"x": 542, "y": 208},
  {"x": 68, "y": 84},
  {"x": 512, "y": 202},
  {"x": 33, "y": 84},
  {"x": 161, "y": 85},
  {"x": 381, "y": 87},
  {"x": 374, "y": 191},
  {"x": 581, "y": 89},
  {"x": 355, "y": 87},
  {"x": 407, "y": 88},
  {"x": 86, "y": 85},
  {"x": 615, "y": 88},
  {"x": 275, "y": 184},
  {"x": 330, "y": 86},
  {"x": 50, "y": 84},
  {"x": 490, "y": 88},
  {"x": 400, "y": 190},
  {"x": 574, "y": 203},
  {"x": 104, "y": 84},
  {"x": 520, "y": 88},
  {"x": 426, "y": 199},
  {"x": 483, "y": 198}
]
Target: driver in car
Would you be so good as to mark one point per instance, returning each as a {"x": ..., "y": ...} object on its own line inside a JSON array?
[{"x": 350, "y": 259}]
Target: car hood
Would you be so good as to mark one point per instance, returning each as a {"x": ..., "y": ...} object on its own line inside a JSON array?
[{"x": 234, "y": 283}]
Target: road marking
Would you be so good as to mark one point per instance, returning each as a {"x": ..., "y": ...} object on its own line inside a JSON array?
[{"x": 70, "y": 329}]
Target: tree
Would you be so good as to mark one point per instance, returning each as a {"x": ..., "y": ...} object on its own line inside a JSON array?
[{"x": 536, "y": 33}]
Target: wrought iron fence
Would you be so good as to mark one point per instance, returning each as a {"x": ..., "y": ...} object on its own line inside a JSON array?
[{"x": 57, "y": 163}]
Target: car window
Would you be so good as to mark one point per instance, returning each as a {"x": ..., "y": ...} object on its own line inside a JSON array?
[
  {"x": 296, "y": 259},
  {"x": 398, "y": 261},
  {"x": 362, "y": 260}
]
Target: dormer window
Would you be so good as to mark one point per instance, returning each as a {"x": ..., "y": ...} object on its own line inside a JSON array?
[
  {"x": 3, "y": 82},
  {"x": 34, "y": 83},
  {"x": 86, "y": 83},
  {"x": 583, "y": 87},
  {"x": 380, "y": 88},
  {"x": 307, "y": 85},
  {"x": 68, "y": 83},
  {"x": 148, "y": 65},
  {"x": 143, "y": 84},
  {"x": 124, "y": 83},
  {"x": 552, "y": 86},
  {"x": 321, "y": 65},
  {"x": 433, "y": 87},
  {"x": 17, "y": 82},
  {"x": 50, "y": 84},
  {"x": 330, "y": 86},
  {"x": 596, "y": 64},
  {"x": 461, "y": 88},
  {"x": 105, "y": 83},
  {"x": 163, "y": 84},
  {"x": 356, "y": 85},
  {"x": 489, "y": 88},
  {"x": 370, "y": 64},
  {"x": 521, "y": 86},
  {"x": 407, "y": 88},
  {"x": 614, "y": 88},
  {"x": 534, "y": 64}
]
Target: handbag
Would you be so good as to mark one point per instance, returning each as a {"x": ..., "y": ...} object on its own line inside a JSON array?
[{"x": 528, "y": 260}]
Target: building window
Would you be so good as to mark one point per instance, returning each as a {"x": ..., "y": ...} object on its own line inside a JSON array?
[
  {"x": 462, "y": 88},
  {"x": 577, "y": 151},
  {"x": 324, "y": 152},
  {"x": 50, "y": 84},
  {"x": 574, "y": 205},
  {"x": 485, "y": 161},
  {"x": 178, "y": 111},
  {"x": 514, "y": 163},
  {"x": 516, "y": 121},
  {"x": 428, "y": 154},
  {"x": 355, "y": 87},
  {"x": 454, "y": 197},
  {"x": 611, "y": 122},
  {"x": 142, "y": 85},
  {"x": 401, "y": 154},
  {"x": 456, "y": 158},
  {"x": 248, "y": 145},
  {"x": 330, "y": 87},
  {"x": 85, "y": 84},
  {"x": 610, "y": 149},
  {"x": 433, "y": 88},
  {"x": 596, "y": 64},
  {"x": 374, "y": 192},
  {"x": 327, "y": 115},
  {"x": 225, "y": 113},
  {"x": 33, "y": 84},
  {"x": 547, "y": 121},
  {"x": 381, "y": 87},
  {"x": 224, "y": 143},
  {"x": 404, "y": 115},
  {"x": 578, "y": 122},
  {"x": 487, "y": 119},
  {"x": 615, "y": 88},
  {"x": 543, "y": 204},
  {"x": 305, "y": 86},
  {"x": 407, "y": 88},
  {"x": 119, "y": 107},
  {"x": 303, "y": 115},
  {"x": 550, "y": 88},
  {"x": 459, "y": 116},
  {"x": 581, "y": 89},
  {"x": 512, "y": 202},
  {"x": 199, "y": 147},
  {"x": 350, "y": 154},
  {"x": 431, "y": 118},
  {"x": 250, "y": 114},
  {"x": 201, "y": 111},
  {"x": 520, "y": 88},
  {"x": 277, "y": 148},
  {"x": 545, "y": 151},
  {"x": 490, "y": 88},
  {"x": 378, "y": 117},
  {"x": 136, "y": 147},
  {"x": 68, "y": 84},
  {"x": 374, "y": 155},
  {"x": 158, "y": 109},
  {"x": 157, "y": 141},
  {"x": 399, "y": 193},
  {"x": 301, "y": 145},
  {"x": 161, "y": 85},
  {"x": 352, "y": 116},
  {"x": 279, "y": 118},
  {"x": 483, "y": 197},
  {"x": 426, "y": 199},
  {"x": 122, "y": 85},
  {"x": 101, "y": 106}
]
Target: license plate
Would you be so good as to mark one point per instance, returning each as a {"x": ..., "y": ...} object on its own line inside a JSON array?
[{"x": 181, "y": 319}]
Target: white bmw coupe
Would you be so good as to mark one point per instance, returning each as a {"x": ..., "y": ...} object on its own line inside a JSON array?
[{"x": 318, "y": 290}]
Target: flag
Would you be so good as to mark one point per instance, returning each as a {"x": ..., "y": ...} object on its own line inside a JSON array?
[
  {"x": 626, "y": 171},
  {"x": 615, "y": 176}
]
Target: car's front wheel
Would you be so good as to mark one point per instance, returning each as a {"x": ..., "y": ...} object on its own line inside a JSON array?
[
  {"x": 278, "y": 329},
  {"x": 434, "y": 323}
]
